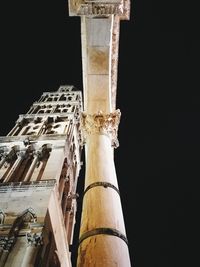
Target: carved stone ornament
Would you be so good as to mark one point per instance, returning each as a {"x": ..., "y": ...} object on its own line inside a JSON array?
[
  {"x": 6, "y": 243},
  {"x": 34, "y": 239},
  {"x": 21, "y": 154},
  {"x": 100, "y": 8},
  {"x": 29, "y": 215},
  {"x": 106, "y": 124}
]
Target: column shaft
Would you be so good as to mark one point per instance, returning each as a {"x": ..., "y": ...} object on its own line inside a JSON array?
[
  {"x": 3, "y": 160},
  {"x": 14, "y": 167},
  {"x": 4, "y": 257},
  {"x": 102, "y": 240},
  {"x": 31, "y": 169},
  {"x": 30, "y": 256}
]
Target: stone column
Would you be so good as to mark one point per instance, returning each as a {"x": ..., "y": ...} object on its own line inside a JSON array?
[
  {"x": 20, "y": 157},
  {"x": 15, "y": 129},
  {"x": 37, "y": 156},
  {"x": 102, "y": 235},
  {"x": 31, "y": 169},
  {"x": 6, "y": 244},
  {"x": 4, "y": 256},
  {"x": 34, "y": 243}
]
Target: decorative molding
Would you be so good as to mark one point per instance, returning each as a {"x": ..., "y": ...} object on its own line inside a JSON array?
[
  {"x": 21, "y": 154},
  {"x": 65, "y": 88},
  {"x": 43, "y": 151},
  {"x": 100, "y": 123},
  {"x": 24, "y": 186},
  {"x": 8, "y": 241},
  {"x": 29, "y": 215},
  {"x": 100, "y": 8},
  {"x": 3, "y": 151},
  {"x": 9, "y": 154}
]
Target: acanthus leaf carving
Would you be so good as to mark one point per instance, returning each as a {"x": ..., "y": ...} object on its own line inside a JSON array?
[
  {"x": 34, "y": 239},
  {"x": 100, "y": 123}
]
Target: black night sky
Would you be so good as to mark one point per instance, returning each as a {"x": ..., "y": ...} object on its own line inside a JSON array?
[{"x": 158, "y": 161}]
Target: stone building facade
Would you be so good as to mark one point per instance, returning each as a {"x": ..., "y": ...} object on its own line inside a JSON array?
[{"x": 39, "y": 167}]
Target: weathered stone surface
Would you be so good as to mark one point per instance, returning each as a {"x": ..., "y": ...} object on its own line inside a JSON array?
[
  {"x": 101, "y": 204},
  {"x": 98, "y": 58},
  {"x": 99, "y": 123},
  {"x": 100, "y": 8},
  {"x": 39, "y": 167}
]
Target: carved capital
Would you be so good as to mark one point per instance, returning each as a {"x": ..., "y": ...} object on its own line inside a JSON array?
[
  {"x": 106, "y": 124},
  {"x": 3, "y": 151},
  {"x": 8, "y": 155},
  {"x": 34, "y": 239},
  {"x": 3, "y": 156},
  {"x": 21, "y": 154},
  {"x": 43, "y": 152},
  {"x": 6, "y": 243}
]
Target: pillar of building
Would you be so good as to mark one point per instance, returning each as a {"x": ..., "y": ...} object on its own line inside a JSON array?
[
  {"x": 34, "y": 242},
  {"x": 20, "y": 157},
  {"x": 6, "y": 244},
  {"x": 4, "y": 256},
  {"x": 103, "y": 239}
]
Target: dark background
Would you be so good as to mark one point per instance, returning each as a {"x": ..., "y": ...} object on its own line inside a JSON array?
[{"x": 158, "y": 93}]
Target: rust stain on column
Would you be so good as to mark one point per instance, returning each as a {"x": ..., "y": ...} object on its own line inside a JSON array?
[{"x": 98, "y": 60}]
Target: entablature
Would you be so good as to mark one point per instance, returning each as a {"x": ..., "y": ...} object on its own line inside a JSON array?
[{"x": 99, "y": 8}]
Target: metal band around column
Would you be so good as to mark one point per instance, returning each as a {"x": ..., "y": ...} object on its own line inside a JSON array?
[
  {"x": 103, "y": 231},
  {"x": 104, "y": 184}
]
